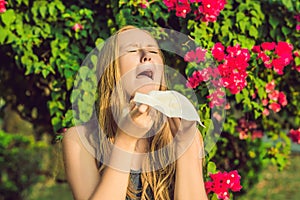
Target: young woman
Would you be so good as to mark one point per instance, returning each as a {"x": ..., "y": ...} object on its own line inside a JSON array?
[{"x": 133, "y": 152}]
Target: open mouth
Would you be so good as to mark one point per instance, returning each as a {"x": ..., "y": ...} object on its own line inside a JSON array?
[{"x": 147, "y": 73}]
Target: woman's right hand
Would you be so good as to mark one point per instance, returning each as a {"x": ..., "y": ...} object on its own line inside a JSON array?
[{"x": 135, "y": 122}]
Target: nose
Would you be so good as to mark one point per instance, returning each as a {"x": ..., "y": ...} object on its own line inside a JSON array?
[{"x": 145, "y": 57}]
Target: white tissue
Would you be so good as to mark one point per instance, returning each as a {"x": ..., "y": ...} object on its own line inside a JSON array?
[{"x": 170, "y": 103}]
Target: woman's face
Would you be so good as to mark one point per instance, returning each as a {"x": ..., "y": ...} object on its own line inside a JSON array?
[{"x": 141, "y": 64}]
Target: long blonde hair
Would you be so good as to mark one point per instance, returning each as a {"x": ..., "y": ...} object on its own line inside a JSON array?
[{"x": 159, "y": 181}]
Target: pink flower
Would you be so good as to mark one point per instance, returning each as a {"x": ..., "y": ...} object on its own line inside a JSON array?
[
  {"x": 256, "y": 49},
  {"x": 295, "y": 135},
  {"x": 283, "y": 48},
  {"x": 217, "y": 98},
  {"x": 195, "y": 56},
  {"x": 77, "y": 27},
  {"x": 268, "y": 46},
  {"x": 233, "y": 181},
  {"x": 182, "y": 9},
  {"x": 282, "y": 99},
  {"x": 211, "y": 9},
  {"x": 266, "y": 112},
  {"x": 144, "y": 4},
  {"x": 274, "y": 95},
  {"x": 2, "y": 6},
  {"x": 171, "y": 4},
  {"x": 270, "y": 86},
  {"x": 218, "y": 51},
  {"x": 278, "y": 65},
  {"x": 298, "y": 27},
  {"x": 265, "y": 102},
  {"x": 221, "y": 183},
  {"x": 257, "y": 134},
  {"x": 297, "y": 17},
  {"x": 195, "y": 79},
  {"x": 275, "y": 107},
  {"x": 263, "y": 56}
]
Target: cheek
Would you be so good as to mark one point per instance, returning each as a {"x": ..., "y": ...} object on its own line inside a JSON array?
[{"x": 127, "y": 63}]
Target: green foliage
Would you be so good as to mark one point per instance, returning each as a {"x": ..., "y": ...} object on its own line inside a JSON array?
[
  {"x": 20, "y": 168},
  {"x": 43, "y": 53}
]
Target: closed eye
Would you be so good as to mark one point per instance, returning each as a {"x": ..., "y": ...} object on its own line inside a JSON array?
[{"x": 155, "y": 52}]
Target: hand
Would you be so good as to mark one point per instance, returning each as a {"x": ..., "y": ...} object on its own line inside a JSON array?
[
  {"x": 136, "y": 121},
  {"x": 184, "y": 133}
]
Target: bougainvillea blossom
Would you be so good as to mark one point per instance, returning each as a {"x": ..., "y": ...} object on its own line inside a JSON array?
[
  {"x": 233, "y": 66},
  {"x": 2, "y": 6},
  {"x": 195, "y": 56},
  {"x": 204, "y": 10},
  {"x": 274, "y": 55},
  {"x": 77, "y": 27},
  {"x": 222, "y": 182},
  {"x": 295, "y": 135},
  {"x": 247, "y": 128}
]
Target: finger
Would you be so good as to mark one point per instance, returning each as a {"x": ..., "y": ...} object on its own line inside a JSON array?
[
  {"x": 143, "y": 108},
  {"x": 174, "y": 124}
]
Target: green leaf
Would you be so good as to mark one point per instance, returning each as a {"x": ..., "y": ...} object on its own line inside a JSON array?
[
  {"x": 211, "y": 167},
  {"x": 239, "y": 97},
  {"x": 243, "y": 24},
  {"x": 8, "y": 17},
  {"x": 285, "y": 30},
  {"x": 288, "y": 4},
  {"x": 253, "y": 32},
  {"x": 43, "y": 10},
  {"x": 4, "y": 32},
  {"x": 240, "y": 16},
  {"x": 273, "y": 21}
]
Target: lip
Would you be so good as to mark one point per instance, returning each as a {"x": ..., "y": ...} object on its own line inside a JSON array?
[{"x": 145, "y": 71}]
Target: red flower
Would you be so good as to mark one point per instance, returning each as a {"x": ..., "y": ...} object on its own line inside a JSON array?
[
  {"x": 295, "y": 135},
  {"x": 265, "y": 112},
  {"x": 282, "y": 99},
  {"x": 278, "y": 65},
  {"x": 256, "y": 49},
  {"x": 283, "y": 48},
  {"x": 195, "y": 79},
  {"x": 171, "y": 4},
  {"x": 270, "y": 86},
  {"x": 297, "y": 17},
  {"x": 195, "y": 56},
  {"x": 211, "y": 9},
  {"x": 2, "y": 6},
  {"x": 218, "y": 51},
  {"x": 217, "y": 98},
  {"x": 182, "y": 9},
  {"x": 144, "y": 4},
  {"x": 275, "y": 107},
  {"x": 298, "y": 27},
  {"x": 268, "y": 46},
  {"x": 274, "y": 95},
  {"x": 233, "y": 181},
  {"x": 221, "y": 182},
  {"x": 257, "y": 134},
  {"x": 265, "y": 102},
  {"x": 77, "y": 27}
]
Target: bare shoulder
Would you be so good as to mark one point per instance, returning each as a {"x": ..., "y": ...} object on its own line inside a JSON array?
[{"x": 71, "y": 136}]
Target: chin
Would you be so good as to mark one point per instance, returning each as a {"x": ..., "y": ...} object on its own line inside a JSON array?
[{"x": 148, "y": 88}]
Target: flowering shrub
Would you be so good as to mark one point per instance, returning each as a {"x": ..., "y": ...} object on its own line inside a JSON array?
[
  {"x": 247, "y": 51},
  {"x": 2, "y": 6},
  {"x": 205, "y": 10},
  {"x": 222, "y": 182}
]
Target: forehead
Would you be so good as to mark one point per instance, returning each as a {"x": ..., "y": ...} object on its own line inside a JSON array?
[{"x": 136, "y": 37}]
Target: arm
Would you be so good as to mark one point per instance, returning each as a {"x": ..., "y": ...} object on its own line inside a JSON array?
[
  {"x": 189, "y": 183},
  {"x": 81, "y": 168}
]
